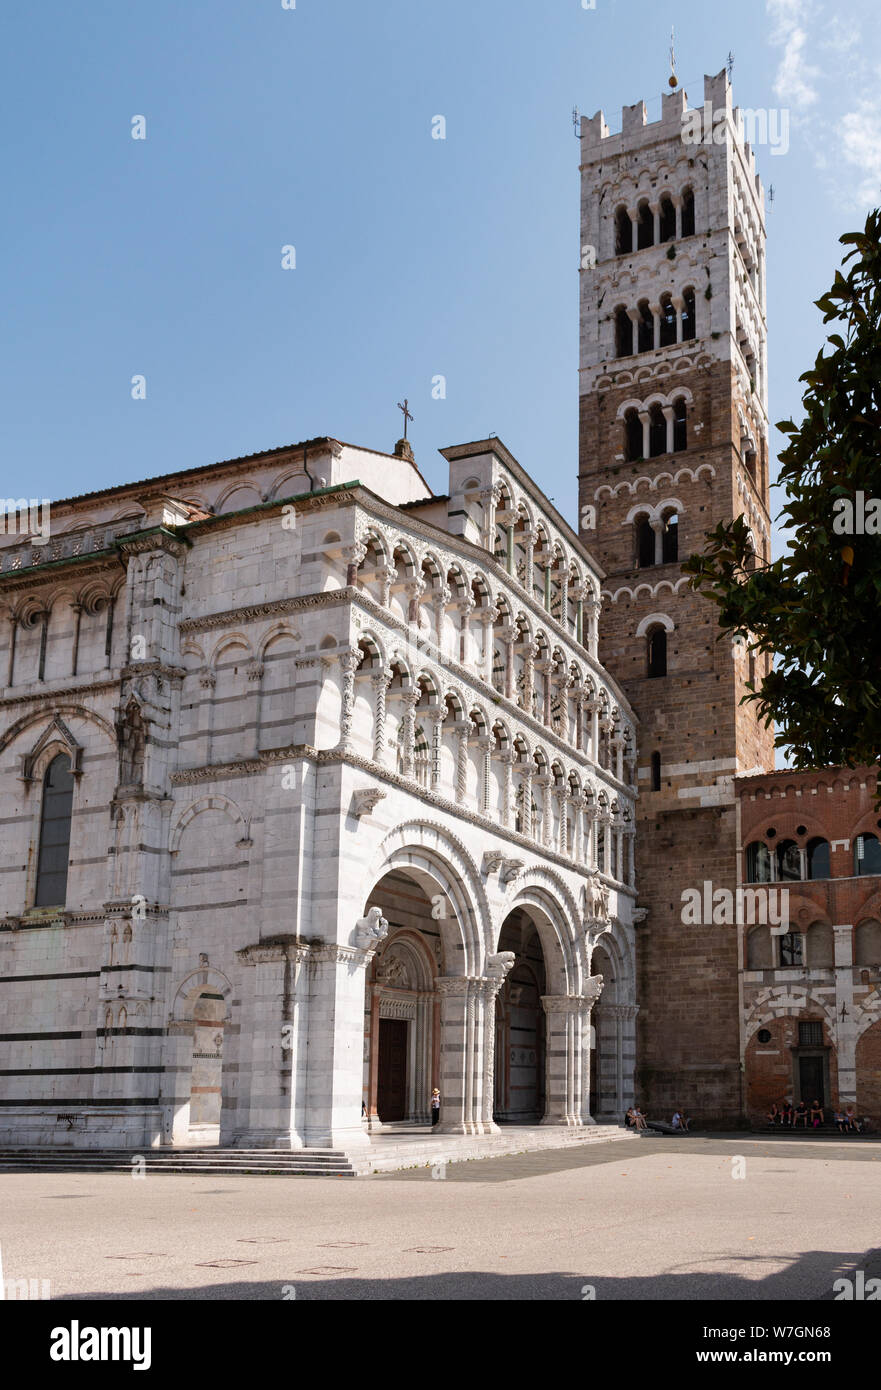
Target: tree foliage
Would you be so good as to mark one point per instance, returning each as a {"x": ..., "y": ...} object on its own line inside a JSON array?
[{"x": 818, "y": 607}]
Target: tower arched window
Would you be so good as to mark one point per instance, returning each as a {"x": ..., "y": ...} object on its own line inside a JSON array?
[
  {"x": 866, "y": 855},
  {"x": 623, "y": 232},
  {"x": 656, "y": 772},
  {"x": 55, "y": 818},
  {"x": 657, "y": 432},
  {"x": 646, "y": 328},
  {"x": 688, "y": 324},
  {"x": 680, "y": 426},
  {"x": 788, "y": 862},
  {"x": 758, "y": 862},
  {"x": 633, "y": 449},
  {"x": 623, "y": 334},
  {"x": 687, "y": 212},
  {"x": 645, "y": 543},
  {"x": 818, "y": 858},
  {"x": 668, "y": 322},
  {"x": 656, "y": 650},
  {"x": 667, "y": 220},
  {"x": 645, "y": 227},
  {"x": 670, "y": 539}
]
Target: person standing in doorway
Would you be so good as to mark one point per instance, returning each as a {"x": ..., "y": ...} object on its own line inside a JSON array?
[{"x": 435, "y": 1106}]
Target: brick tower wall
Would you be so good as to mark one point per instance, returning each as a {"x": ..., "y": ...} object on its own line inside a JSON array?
[{"x": 688, "y": 1026}]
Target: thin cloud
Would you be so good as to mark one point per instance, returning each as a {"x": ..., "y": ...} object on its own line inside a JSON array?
[{"x": 795, "y": 76}]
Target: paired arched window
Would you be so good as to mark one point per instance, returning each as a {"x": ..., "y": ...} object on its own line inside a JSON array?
[
  {"x": 55, "y": 818},
  {"x": 657, "y": 432},
  {"x": 637, "y": 233},
  {"x": 623, "y": 232},
  {"x": 623, "y": 334},
  {"x": 668, "y": 321},
  {"x": 680, "y": 430},
  {"x": 645, "y": 543},
  {"x": 688, "y": 316},
  {"x": 670, "y": 539},
  {"x": 866, "y": 855},
  {"x": 666, "y": 219},
  {"x": 645, "y": 328},
  {"x": 645, "y": 227}
]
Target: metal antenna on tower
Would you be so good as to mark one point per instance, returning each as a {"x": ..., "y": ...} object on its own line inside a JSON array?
[
  {"x": 730, "y": 64},
  {"x": 673, "y": 79},
  {"x": 771, "y": 198},
  {"x": 575, "y": 119}
]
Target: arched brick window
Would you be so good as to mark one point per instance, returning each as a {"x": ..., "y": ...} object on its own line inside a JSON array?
[
  {"x": 758, "y": 863},
  {"x": 632, "y": 436},
  {"x": 818, "y": 859},
  {"x": 54, "y": 852},
  {"x": 866, "y": 855},
  {"x": 680, "y": 428},
  {"x": 656, "y": 652}
]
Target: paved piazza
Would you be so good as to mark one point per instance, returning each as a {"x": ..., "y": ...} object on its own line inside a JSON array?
[{"x": 641, "y": 1219}]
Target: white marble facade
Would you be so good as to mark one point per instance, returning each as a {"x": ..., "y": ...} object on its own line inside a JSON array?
[{"x": 352, "y": 810}]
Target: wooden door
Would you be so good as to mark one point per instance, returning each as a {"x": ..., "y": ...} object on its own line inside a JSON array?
[{"x": 391, "y": 1098}]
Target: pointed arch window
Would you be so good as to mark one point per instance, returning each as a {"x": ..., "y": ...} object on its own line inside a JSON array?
[{"x": 55, "y": 818}]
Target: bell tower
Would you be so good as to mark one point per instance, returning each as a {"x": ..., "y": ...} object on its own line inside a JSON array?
[{"x": 674, "y": 439}]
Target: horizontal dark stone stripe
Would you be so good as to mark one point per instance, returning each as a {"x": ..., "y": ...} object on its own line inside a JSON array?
[
  {"x": 38, "y": 1037},
  {"x": 149, "y": 1102},
  {"x": 83, "y": 1071},
  {"x": 63, "y": 975}
]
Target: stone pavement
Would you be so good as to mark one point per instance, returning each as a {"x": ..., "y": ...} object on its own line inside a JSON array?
[{"x": 707, "y": 1218}]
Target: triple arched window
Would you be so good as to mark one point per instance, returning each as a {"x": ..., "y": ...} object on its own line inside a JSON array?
[{"x": 653, "y": 225}]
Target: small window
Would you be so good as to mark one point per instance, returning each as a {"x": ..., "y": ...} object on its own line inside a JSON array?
[
  {"x": 810, "y": 1035},
  {"x": 657, "y": 653},
  {"x": 656, "y": 772},
  {"x": 632, "y": 436},
  {"x": 657, "y": 432},
  {"x": 668, "y": 322},
  {"x": 792, "y": 949},
  {"x": 623, "y": 334},
  {"x": 645, "y": 329},
  {"x": 52, "y": 862},
  {"x": 763, "y": 1036}
]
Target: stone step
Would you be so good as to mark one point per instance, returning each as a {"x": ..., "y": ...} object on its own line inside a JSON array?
[{"x": 323, "y": 1163}]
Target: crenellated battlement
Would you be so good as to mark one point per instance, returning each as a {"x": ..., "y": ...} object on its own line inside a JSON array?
[{"x": 703, "y": 125}]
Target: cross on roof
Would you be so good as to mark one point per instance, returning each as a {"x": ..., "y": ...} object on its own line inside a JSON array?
[{"x": 405, "y": 408}]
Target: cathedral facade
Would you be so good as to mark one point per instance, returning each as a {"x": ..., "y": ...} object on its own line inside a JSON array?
[{"x": 315, "y": 797}]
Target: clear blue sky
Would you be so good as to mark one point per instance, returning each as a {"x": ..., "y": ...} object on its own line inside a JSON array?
[{"x": 312, "y": 127}]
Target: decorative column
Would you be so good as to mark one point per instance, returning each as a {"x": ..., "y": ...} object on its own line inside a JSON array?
[
  {"x": 616, "y": 744},
  {"x": 380, "y": 682},
  {"x": 489, "y": 617},
  {"x": 563, "y": 798},
  {"x": 667, "y": 412},
  {"x": 633, "y": 315},
  {"x": 350, "y": 660},
  {"x": 410, "y": 699},
  {"x": 509, "y": 634},
  {"x": 467, "y": 606},
  {"x": 564, "y": 685},
  {"x": 546, "y": 667},
  {"x": 462, "y": 727},
  {"x": 354, "y": 555},
  {"x": 414, "y": 589},
  {"x": 593, "y": 710},
  {"x": 567, "y": 1052},
  {"x": 563, "y": 576},
  {"x": 436, "y": 715},
  {"x": 630, "y": 837},
  {"x": 592, "y": 609},
  {"x": 578, "y": 805},
  {"x": 529, "y": 654},
  {"x": 526, "y": 792},
  {"x": 485, "y": 746},
  {"x": 546, "y": 782},
  {"x": 507, "y": 759},
  {"x": 678, "y": 304},
  {"x": 655, "y": 310},
  {"x": 440, "y": 601},
  {"x": 387, "y": 575},
  {"x": 467, "y": 1047},
  {"x": 490, "y": 499},
  {"x": 530, "y": 535},
  {"x": 579, "y": 717}
]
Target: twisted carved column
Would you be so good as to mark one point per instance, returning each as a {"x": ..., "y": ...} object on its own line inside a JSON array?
[{"x": 380, "y": 682}]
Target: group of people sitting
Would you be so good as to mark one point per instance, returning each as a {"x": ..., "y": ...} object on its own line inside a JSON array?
[
  {"x": 789, "y": 1116},
  {"x": 635, "y": 1119}
]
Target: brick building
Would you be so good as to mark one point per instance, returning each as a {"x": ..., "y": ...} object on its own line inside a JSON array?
[{"x": 811, "y": 1010}]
